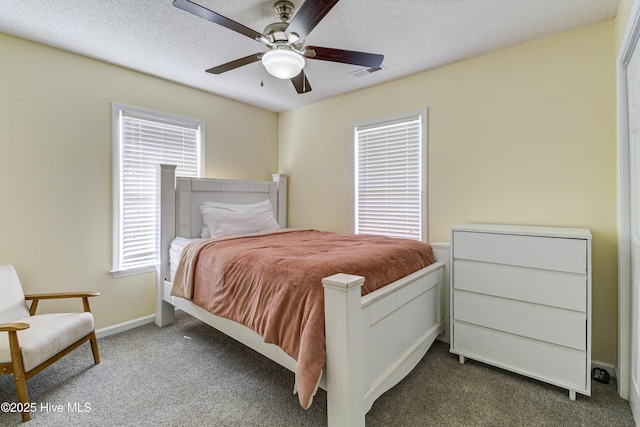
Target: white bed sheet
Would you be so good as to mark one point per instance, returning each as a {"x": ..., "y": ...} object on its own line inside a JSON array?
[{"x": 175, "y": 250}]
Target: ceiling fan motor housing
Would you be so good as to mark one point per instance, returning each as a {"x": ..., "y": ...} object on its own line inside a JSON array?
[
  {"x": 284, "y": 9},
  {"x": 277, "y": 31}
]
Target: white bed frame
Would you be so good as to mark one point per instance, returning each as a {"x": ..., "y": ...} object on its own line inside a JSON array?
[{"x": 372, "y": 342}]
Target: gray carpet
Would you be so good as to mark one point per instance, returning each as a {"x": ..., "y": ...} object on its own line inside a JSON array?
[{"x": 188, "y": 374}]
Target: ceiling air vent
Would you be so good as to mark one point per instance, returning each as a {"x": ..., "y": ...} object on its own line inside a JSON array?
[{"x": 366, "y": 71}]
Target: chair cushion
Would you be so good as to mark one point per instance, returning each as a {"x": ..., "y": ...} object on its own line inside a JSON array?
[
  {"x": 48, "y": 335},
  {"x": 12, "y": 305}
]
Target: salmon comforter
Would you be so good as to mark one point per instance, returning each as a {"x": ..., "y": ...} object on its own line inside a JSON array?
[{"x": 271, "y": 283}]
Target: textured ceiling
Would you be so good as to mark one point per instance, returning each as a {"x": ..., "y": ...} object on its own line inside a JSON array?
[{"x": 154, "y": 37}]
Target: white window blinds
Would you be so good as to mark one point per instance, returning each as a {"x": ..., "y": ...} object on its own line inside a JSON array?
[
  {"x": 388, "y": 178},
  {"x": 145, "y": 141}
]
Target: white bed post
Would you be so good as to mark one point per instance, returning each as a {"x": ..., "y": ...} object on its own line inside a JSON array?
[
  {"x": 441, "y": 252},
  {"x": 281, "y": 180},
  {"x": 166, "y": 197},
  {"x": 343, "y": 325}
]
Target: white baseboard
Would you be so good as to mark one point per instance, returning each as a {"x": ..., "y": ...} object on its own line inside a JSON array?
[
  {"x": 125, "y": 326},
  {"x": 611, "y": 369}
]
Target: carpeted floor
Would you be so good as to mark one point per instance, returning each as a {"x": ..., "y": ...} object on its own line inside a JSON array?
[{"x": 188, "y": 374}]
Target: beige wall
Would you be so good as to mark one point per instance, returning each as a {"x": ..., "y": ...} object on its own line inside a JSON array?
[
  {"x": 624, "y": 11},
  {"x": 521, "y": 136},
  {"x": 55, "y": 166}
]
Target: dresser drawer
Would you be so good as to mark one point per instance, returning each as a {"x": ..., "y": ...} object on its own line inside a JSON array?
[
  {"x": 556, "y": 365},
  {"x": 553, "y": 288},
  {"x": 548, "y": 253},
  {"x": 543, "y": 323}
]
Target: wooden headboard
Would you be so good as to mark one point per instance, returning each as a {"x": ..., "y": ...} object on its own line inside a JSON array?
[{"x": 180, "y": 200}]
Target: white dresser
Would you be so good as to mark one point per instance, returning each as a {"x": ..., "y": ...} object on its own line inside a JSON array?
[{"x": 521, "y": 300}]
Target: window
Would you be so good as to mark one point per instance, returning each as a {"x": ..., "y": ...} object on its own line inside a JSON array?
[
  {"x": 141, "y": 141},
  {"x": 389, "y": 176}
]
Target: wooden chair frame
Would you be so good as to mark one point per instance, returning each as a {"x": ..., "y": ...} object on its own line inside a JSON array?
[{"x": 16, "y": 367}]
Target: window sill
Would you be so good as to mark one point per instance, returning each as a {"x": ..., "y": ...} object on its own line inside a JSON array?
[{"x": 132, "y": 271}]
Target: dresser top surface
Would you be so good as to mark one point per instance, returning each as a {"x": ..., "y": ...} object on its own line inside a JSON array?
[{"x": 527, "y": 230}]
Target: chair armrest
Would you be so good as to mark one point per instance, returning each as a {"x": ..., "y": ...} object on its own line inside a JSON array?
[
  {"x": 12, "y": 327},
  {"x": 85, "y": 295},
  {"x": 14, "y": 347},
  {"x": 57, "y": 295}
]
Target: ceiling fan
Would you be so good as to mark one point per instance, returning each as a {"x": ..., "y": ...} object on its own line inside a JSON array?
[{"x": 285, "y": 40}]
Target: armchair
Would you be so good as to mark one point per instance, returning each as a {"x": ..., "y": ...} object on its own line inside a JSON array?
[{"x": 29, "y": 342}]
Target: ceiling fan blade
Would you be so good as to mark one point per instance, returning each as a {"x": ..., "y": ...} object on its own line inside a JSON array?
[
  {"x": 301, "y": 83},
  {"x": 216, "y": 18},
  {"x": 310, "y": 13},
  {"x": 371, "y": 60},
  {"x": 235, "y": 64}
]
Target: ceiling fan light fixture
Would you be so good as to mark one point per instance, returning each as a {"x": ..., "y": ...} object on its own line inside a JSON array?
[{"x": 283, "y": 63}]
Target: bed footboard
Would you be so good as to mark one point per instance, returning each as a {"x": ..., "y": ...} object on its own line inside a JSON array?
[
  {"x": 373, "y": 342},
  {"x": 345, "y": 405}
]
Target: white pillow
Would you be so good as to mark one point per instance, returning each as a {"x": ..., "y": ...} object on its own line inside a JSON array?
[{"x": 227, "y": 219}]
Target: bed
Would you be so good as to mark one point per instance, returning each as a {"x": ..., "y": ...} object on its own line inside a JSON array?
[{"x": 360, "y": 362}]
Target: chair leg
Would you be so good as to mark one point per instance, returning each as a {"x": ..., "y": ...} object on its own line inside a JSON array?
[
  {"x": 23, "y": 397},
  {"x": 19, "y": 375},
  {"x": 94, "y": 348}
]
